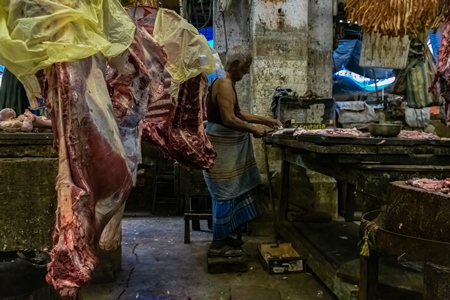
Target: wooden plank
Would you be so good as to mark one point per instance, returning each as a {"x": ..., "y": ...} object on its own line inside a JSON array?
[
  {"x": 330, "y": 149},
  {"x": 441, "y": 150},
  {"x": 322, "y": 164},
  {"x": 393, "y": 159},
  {"x": 406, "y": 168},
  {"x": 26, "y": 136},
  {"x": 387, "y": 141},
  {"x": 384, "y": 51},
  {"x": 31, "y": 150}
]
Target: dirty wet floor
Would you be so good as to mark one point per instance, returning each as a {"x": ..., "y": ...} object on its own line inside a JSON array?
[{"x": 157, "y": 265}]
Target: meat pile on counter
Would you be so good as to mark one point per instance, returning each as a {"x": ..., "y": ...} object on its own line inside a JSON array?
[
  {"x": 23, "y": 123},
  {"x": 330, "y": 132},
  {"x": 409, "y": 134},
  {"x": 435, "y": 185}
]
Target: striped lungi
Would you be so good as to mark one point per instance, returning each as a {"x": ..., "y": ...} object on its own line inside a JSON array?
[{"x": 233, "y": 179}]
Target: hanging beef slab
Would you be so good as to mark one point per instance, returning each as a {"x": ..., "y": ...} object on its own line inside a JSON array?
[{"x": 93, "y": 178}]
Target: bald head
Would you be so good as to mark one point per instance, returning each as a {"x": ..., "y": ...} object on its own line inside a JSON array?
[
  {"x": 242, "y": 54},
  {"x": 238, "y": 61}
]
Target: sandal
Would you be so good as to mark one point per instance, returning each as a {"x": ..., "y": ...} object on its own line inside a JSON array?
[
  {"x": 235, "y": 243},
  {"x": 225, "y": 251}
]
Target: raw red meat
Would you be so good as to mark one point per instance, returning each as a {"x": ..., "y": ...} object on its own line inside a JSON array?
[
  {"x": 97, "y": 135},
  {"x": 441, "y": 81},
  {"x": 93, "y": 177},
  {"x": 175, "y": 126},
  {"x": 412, "y": 134},
  {"x": 435, "y": 185}
]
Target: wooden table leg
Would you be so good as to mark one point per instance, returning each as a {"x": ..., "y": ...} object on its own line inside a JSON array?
[
  {"x": 368, "y": 277},
  {"x": 348, "y": 200},
  {"x": 187, "y": 233},
  {"x": 284, "y": 190},
  {"x": 350, "y": 205},
  {"x": 436, "y": 280}
]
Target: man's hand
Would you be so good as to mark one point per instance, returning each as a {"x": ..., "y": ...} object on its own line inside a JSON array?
[
  {"x": 273, "y": 123},
  {"x": 259, "y": 132}
]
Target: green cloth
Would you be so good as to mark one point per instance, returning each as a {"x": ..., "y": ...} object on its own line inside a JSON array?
[{"x": 13, "y": 94}]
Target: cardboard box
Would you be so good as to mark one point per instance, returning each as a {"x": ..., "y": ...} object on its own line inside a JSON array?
[{"x": 281, "y": 259}]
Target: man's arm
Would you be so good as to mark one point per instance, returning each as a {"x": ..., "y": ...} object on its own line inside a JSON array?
[{"x": 225, "y": 102}]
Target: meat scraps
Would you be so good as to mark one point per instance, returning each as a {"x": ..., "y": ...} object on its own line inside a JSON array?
[
  {"x": 411, "y": 134},
  {"x": 93, "y": 177},
  {"x": 442, "y": 186},
  {"x": 331, "y": 132},
  {"x": 25, "y": 122},
  {"x": 441, "y": 81},
  {"x": 7, "y": 114}
]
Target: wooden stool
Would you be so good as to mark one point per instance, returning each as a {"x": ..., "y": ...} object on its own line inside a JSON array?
[
  {"x": 193, "y": 188},
  {"x": 195, "y": 214}
]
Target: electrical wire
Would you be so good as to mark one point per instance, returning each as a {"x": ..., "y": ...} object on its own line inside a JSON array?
[
  {"x": 194, "y": 12},
  {"x": 210, "y": 14}
]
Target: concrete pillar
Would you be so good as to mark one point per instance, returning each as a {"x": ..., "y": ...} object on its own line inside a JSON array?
[
  {"x": 232, "y": 28},
  {"x": 292, "y": 44},
  {"x": 280, "y": 38},
  {"x": 319, "y": 80},
  {"x": 320, "y": 47}
]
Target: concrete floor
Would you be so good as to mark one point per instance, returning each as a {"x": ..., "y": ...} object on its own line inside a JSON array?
[{"x": 157, "y": 265}]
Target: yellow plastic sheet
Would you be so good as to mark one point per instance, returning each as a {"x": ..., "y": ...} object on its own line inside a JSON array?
[
  {"x": 35, "y": 34},
  {"x": 188, "y": 52}
]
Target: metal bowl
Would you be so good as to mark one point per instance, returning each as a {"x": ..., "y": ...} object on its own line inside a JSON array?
[{"x": 385, "y": 130}]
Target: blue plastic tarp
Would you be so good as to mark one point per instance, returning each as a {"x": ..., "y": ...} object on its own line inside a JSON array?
[{"x": 347, "y": 56}]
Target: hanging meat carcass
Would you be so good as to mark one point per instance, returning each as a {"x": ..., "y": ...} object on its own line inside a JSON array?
[
  {"x": 441, "y": 81},
  {"x": 93, "y": 177},
  {"x": 96, "y": 132},
  {"x": 175, "y": 124}
]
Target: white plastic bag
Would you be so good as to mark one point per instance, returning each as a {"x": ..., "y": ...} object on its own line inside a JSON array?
[{"x": 417, "y": 118}]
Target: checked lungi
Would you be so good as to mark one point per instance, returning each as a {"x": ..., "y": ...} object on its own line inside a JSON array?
[{"x": 232, "y": 181}]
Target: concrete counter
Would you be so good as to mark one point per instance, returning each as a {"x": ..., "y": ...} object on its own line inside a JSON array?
[{"x": 28, "y": 168}]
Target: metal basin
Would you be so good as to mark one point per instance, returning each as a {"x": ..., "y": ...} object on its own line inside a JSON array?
[{"x": 385, "y": 130}]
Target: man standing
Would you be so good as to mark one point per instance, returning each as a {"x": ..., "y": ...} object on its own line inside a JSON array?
[{"x": 233, "y": 179}]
